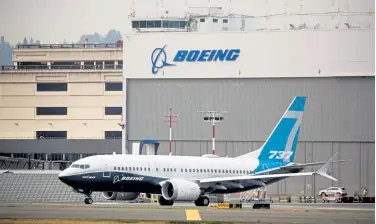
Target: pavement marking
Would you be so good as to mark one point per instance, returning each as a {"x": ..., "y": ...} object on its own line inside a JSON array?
[{"x": 192, "y": 214}]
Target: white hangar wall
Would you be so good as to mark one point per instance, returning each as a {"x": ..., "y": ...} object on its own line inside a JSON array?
[
  {"x": 255, "y": 89},
  {"x": 302, "y": 53}
]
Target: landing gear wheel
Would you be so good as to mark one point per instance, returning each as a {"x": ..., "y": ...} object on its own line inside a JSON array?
[
  {"x": 163, "y": 201},
  {"x": 202, "y": 201},
  {"x": 88, "y": 201}
]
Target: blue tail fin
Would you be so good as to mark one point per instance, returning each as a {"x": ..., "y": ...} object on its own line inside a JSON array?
[{"x": 280, "y": 147}]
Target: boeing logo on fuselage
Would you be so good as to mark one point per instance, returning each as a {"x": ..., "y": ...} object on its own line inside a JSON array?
[{"x": 159, "y": 56}]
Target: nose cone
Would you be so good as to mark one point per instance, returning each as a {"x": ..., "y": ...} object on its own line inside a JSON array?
[{"x": 63, "y": 176}]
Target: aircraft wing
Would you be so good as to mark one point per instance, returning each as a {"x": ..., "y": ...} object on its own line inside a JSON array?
[
  {"x": 322, "y": 172},
  {"x": 294, "y": 166}
]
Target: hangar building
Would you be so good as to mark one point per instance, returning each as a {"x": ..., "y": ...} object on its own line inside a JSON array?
[{"x": 254, "y": 76}]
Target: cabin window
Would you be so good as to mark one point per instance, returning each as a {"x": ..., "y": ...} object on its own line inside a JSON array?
[
  {"x": 149, "y": 168},
  {"x": 156, "y": 169},
  {"x": 186, "y": 170},
  {"x": 174, "y": 169},
  {"x": 87, "y": 166},
  {"x": 189, "y": 170},
  {"x": 134, "y": 168},
  {"x": 164, "y": 170},
  {"x": 122, "y": 168},
  {"x": 115, "y": 168},
  {"x": 126, "y": 168}
]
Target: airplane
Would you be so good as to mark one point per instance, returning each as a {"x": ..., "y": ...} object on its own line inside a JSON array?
[{"x": 193, "y": 178}]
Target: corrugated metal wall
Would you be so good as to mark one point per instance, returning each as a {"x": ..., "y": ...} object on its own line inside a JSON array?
[
  {"x": 337, "y": 109},
  {"x": 339, "y": 117}
]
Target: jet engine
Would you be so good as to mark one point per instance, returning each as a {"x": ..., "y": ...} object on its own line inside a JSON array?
[
  {"x": 121, "y": 196},
  {"x": 180, "y": 190}
]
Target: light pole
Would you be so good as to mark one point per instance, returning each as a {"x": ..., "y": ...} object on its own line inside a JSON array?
[
  {"x": 213, "y": 117},
  {"x": 170, "y": 121}
]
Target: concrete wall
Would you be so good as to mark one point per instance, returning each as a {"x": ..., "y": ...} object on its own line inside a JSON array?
[
  {"x": 60, "y": 146},
  {"x": 85, "y": 99},
  {"x": 337, "y": 109}
]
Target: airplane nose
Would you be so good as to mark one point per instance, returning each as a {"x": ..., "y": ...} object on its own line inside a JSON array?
[{"x": 63, "y": 176}]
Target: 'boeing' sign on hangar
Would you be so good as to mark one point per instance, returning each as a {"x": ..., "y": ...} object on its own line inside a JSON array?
[
  {"x": 239, "y": 55},
  {"x": 159, "y": 58}
]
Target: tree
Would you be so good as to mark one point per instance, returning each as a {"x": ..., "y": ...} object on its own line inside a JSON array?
[
  {"x": 31, "y": 40},
  {"x": 2, "y": 40},
  {"x": 37, "y": 42},
  {"x": 24, "y": 41}
]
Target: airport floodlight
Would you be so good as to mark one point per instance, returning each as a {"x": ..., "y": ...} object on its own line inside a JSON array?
[
  {"x": 213, "y": 117},
  {"x": 170, "y": 120}
]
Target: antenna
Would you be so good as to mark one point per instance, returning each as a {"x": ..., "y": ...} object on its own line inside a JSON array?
[
  {"x": 170, "y": 120},
  {"x": 213, "y": 117}
]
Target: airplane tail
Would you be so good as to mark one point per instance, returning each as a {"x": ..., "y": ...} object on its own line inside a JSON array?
[{"x": 280, "y": 147}]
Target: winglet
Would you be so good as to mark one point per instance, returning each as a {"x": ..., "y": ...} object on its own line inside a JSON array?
[{"x": 322, "y": 171}]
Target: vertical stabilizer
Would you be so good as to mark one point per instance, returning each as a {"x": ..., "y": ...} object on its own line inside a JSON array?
[{"x": 280, "y": 147}]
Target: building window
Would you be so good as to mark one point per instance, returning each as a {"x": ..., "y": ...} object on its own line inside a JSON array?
[
  {"x": 215, "y": 20},
  {"x": 51, "y": 110},
  {"x": 48, "y": 87},
  {"x": 51, "y": 134},
  {"x": 202, "y": 20},
  {"x": 113, "y": 110},
  {"x": 114, "y": 86},
  {"x": 225, "y": 20},
  {"x": 112, "y": 134}
]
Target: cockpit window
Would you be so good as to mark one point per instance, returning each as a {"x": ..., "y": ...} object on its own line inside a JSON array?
[{"x": 83, "y": 166}]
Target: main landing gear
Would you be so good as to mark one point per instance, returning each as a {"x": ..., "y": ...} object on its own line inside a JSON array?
[{"x": 202, "y": 201}]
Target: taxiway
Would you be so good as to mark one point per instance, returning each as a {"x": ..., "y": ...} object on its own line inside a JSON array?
[{"x": 183, "y": 212}]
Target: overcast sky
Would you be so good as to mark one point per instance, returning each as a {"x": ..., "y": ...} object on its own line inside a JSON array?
[{"x": 51, "y": 21}]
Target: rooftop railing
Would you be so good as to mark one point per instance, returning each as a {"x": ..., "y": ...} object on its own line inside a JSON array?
[
  {"x": 74, "y": 46},
  {"x": 60, "y": 67}
]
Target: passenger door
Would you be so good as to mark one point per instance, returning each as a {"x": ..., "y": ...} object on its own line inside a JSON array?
[{"x": 106, "y": 172}]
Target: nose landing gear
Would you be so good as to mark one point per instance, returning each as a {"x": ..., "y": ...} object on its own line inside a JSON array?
[{"x": 88, "y": 199}]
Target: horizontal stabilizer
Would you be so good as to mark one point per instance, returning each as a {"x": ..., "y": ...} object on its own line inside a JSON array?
[{"x": 294, "y": 166}]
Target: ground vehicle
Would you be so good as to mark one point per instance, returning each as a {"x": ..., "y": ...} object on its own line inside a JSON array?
[{"x": 333, "y": 190}]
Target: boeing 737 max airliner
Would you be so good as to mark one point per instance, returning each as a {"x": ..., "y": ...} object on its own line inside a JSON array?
[{"x": 192, "y": 178}]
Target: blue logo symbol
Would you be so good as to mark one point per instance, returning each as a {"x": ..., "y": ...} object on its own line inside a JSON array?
[{"x": 159, "y": 59}]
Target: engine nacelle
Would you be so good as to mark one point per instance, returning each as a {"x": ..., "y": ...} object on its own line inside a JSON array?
[
  {"x": 124, "y": 196},
  {"x": 180, "y": 190}
]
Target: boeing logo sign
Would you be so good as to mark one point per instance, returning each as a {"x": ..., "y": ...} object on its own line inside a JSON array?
[{"x": 159, "y": 57}]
